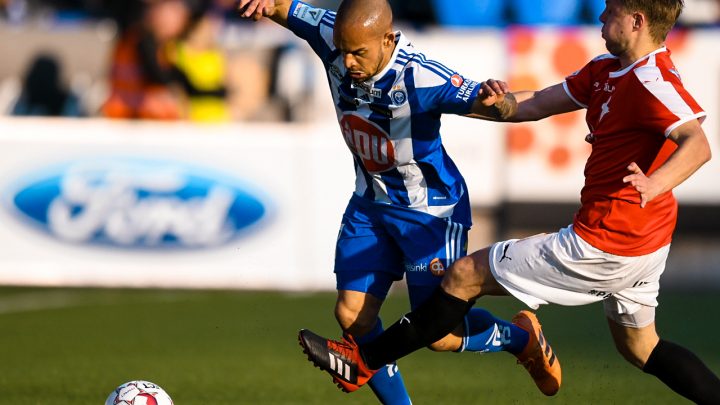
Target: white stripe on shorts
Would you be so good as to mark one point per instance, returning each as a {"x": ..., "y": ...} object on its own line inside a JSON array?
[{"x": 453, "y": 242}]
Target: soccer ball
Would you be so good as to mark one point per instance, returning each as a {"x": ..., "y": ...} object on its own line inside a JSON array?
[{"x": 139, "y": 393}]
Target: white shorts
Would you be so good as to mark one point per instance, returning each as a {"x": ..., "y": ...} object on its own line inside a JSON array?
[{"x": 561, "y": 268}]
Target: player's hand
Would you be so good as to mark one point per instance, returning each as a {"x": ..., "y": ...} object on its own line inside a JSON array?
[
  {"x": 496, "y": 94},
  {"x": 255, "y": 9},
  {"x": 644, "y": 185},
  {"x": 492, "y": 91}
]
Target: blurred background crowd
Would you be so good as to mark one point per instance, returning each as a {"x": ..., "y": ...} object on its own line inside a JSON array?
[{"x": 196, "y": 60}]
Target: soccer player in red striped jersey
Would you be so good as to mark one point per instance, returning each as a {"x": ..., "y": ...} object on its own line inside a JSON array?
[{"x": 646, "y": 139}]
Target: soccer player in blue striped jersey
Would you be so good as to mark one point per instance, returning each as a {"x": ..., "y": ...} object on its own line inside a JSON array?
[{"x": 410, "y": 214}]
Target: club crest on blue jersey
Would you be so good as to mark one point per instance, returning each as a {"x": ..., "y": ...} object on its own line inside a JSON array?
[{"x": 398, "y": 97}]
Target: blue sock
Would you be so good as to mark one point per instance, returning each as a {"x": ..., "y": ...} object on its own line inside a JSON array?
[
  {"x": 387, "y": 384},
  {"x": 485, "y": 333}
]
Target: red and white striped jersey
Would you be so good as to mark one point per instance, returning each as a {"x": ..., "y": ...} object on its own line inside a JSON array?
[{"x": 630, "y": 113}]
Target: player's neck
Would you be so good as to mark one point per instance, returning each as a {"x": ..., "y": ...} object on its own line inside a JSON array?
[
  {"x": 387, "y": 58},
  {"x": 637, "y": 52}
]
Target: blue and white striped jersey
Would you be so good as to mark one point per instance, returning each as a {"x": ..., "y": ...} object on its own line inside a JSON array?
[{"x": 391, "y": 123}]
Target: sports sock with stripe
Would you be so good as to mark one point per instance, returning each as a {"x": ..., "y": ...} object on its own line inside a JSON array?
[
  {"x": 439, "y": 315},
  {"x": 486, "y": 333},
  {"x": 682, "y": 371},
  {"x": 387, "y": 384}
]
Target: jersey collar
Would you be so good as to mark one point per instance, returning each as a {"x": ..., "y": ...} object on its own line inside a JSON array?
[{"x": 619, "y": 73}]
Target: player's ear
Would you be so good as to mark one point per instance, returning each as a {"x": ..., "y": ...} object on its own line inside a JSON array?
[
  {"x": 389, "y": 39},
  {"x": 638, "y": 20}
]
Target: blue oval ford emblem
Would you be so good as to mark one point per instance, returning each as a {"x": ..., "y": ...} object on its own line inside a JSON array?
[{"x": 138, "y": 203}]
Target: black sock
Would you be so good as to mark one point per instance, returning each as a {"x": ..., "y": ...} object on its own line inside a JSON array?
[
  {"x": 684, "y": 372},
  {"x": 430, "y": 322}
]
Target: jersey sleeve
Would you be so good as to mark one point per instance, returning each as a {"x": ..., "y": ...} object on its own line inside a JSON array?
[
  {"x": 578, "y": 85},
  {"x": 314, "y": 25},
  {"x": 442, "y": 90},
  {"x": 669, "y": 103}
]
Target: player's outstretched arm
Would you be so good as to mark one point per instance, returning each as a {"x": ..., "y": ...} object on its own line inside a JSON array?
[
  {"x": 495, "y": 103},
  {"x": 692, "y": 152},
  {"x": 276, "y": 10},
  {"x": 536, "y": 105}
]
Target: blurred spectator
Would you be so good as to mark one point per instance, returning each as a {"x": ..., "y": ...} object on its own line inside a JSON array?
[
  {"x": 201, "y": 70},
  {"x": 226, "y": 8},
  {"x": 288, "y": 94},
  {"x": 417, "y": 12},
  {"x": 43, "y": 93},
  {"x": 141, "y": 77},
  {"x": 13, "y": 10}
]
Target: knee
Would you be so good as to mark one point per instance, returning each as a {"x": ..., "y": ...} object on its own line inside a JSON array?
[
  {"x": 354, "y": 321},
  {"x": 631, "y": 357},
  {"x": 636, "y": 353},
  {"x": 634, "y": 344},
  {"x": 461, "y": 270},
  {"x": 460, "y": 274},
  {"x": 467, "y": 276}
]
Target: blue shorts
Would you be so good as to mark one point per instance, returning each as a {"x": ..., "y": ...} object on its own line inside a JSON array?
[{"x": 380, "y": 243}]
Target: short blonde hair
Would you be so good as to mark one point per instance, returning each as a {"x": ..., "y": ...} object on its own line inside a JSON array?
[{"x": 661, "y": 14}]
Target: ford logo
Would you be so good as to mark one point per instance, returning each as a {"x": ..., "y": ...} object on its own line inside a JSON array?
[{"x": 137, "y": 203}]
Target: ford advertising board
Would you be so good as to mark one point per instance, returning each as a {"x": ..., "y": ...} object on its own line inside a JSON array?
[{"x": 137, "y": 203}]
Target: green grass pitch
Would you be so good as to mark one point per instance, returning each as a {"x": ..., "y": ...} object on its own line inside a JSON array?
[{"x": 73, "y": 346}]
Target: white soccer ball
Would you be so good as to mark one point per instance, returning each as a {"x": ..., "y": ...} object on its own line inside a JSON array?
[{"x": 139, "y": 393}]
